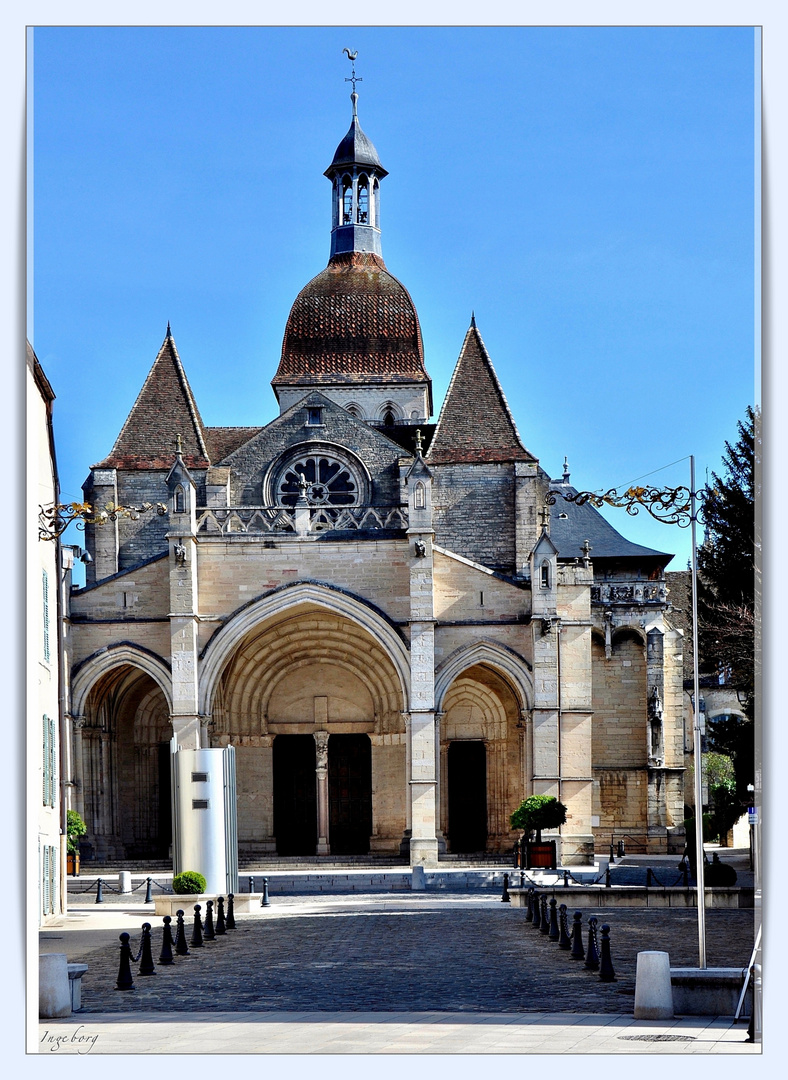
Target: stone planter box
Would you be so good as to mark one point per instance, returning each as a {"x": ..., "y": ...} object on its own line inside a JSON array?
[
  {"x": 709, "y": 991},
  {"x": 636, "y": 896},
  {"x": 169, "y": 904}
]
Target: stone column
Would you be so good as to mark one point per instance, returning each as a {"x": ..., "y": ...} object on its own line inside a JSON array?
[
  {"x": 422, "y": 779},
  {"x": 321, "y": 771},
  {"x": 184, "y": 608},
  {"x": 78, "y": 723}
]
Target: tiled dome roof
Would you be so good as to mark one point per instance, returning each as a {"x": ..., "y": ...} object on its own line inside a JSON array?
[{"x": 352, "y": 323}]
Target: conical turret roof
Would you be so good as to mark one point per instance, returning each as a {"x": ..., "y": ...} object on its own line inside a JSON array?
[
  {"x": 165, "y": 407},
  {"x": 475, "y": 423}
]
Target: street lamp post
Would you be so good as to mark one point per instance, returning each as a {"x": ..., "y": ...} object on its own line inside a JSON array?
[{"x": 670, "y": 506}]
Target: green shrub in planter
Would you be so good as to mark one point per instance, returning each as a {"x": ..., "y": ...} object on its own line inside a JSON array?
[
  {"x": 188, "y": 882},
  {"x": 538, "y": 812},
  {"x": 75, "y": 827}
]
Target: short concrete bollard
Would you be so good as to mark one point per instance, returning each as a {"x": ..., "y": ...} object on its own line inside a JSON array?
[
  {"x": 75, "y": 973},
  {"x": 653, "y": 989},
  {"x": 54, "y": 993},
  {"x": 124, "y": 881},
  {"x": 418, "y": 880}
]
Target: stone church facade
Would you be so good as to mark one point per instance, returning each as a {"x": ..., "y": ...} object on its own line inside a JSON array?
[{"x": 384, "y": 616}]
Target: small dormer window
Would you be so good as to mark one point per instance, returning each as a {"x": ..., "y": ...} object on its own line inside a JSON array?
[
  {"x": 419, "y": 497},
  {"x": 544, "y": 575},
  {"x": 314, "y": 416},
  {"x": 180, "y": 500}
]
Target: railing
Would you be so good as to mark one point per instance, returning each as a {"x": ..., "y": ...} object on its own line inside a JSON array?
[
  {"x": 636, "y": 593},
  {"x": 263, "y": 520}
]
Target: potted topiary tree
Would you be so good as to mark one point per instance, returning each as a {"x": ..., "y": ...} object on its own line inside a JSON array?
[
  {"x": 535, "y": 813},
  {"x": 75, "y": 827}
]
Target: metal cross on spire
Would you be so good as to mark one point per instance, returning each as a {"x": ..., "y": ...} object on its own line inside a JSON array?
[{"x": 353, "y": 77}]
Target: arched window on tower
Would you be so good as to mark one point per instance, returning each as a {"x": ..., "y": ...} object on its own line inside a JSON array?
[
  {"x": 375, "y": 205},
  {"x": 419, "y": 498},
  {"x": 545, "y": 575},
  {"x": 363, "y": 201},
  {"x": 347, "y": 200},
  {"x": 180, "y": 501}
]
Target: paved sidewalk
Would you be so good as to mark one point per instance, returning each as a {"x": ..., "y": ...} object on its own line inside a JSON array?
[{"x": 389, "y": 1033}]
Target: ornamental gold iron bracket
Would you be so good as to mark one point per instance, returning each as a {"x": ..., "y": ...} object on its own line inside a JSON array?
[
  {"x": 55, "y": 519},
  {"x": 671, "y": 506}
]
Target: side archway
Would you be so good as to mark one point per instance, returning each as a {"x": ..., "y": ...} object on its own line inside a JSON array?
[
  {"x": 86, "y": 675},
  {"x": 507, "y": 663}
]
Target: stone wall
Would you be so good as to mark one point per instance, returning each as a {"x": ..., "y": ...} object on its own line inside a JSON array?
[{"x": 473, "y": 512}]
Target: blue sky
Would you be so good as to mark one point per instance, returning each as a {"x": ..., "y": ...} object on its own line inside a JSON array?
[{"x": 588, "y": 192}]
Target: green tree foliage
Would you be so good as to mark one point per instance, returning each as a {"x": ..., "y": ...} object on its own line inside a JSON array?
[
  {"x": 538, "y": 812},
  {"x": 729, "y": 591},
  {"x": 75, "y": 827}
]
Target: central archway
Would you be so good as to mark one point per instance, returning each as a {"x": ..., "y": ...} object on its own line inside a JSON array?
[{"x": 312, "y": 702}]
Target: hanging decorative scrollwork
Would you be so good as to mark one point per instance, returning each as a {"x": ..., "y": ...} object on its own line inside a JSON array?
[
  {"x": 55, "y": 519},
  {"x": 671, "y": 506}
]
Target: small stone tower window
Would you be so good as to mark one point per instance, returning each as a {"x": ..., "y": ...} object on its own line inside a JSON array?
[
  {"x": 388, "y": 418},
  {"x": 419, "y": 496},
  {"x": 180, "y": 500},
  {"x": 347, "y": 200},
  {"x": 363, "y": 201},
  {"x": 544, "y": 575},
  {"x": 314, "y": 416}
]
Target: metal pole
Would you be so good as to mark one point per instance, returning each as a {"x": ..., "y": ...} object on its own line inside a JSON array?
[{"x": 696, "y": 743}]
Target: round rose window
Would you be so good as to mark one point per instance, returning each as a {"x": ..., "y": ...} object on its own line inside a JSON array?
[{"x": 326, "y": 482}]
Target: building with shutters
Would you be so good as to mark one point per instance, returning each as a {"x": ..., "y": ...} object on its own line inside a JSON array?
[
  {"x": 43, "y": 748},
  {"x": 384, "y": 616}
]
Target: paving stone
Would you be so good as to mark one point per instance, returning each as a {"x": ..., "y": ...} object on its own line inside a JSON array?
[{"x": 411, "y": 953}]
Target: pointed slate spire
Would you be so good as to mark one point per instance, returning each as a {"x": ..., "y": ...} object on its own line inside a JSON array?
[
  {"x": 164, "y": 404},
  {"x": 475, "y": 423}
]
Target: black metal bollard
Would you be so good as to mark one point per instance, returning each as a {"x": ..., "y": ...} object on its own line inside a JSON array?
[
  {"x": 544, "y": 920},
  {"x": 554, "y": 932},
  {"x": 564, "y": 940},
  {"x": 196, "y": 941},
  {"x": 148, "y": 893},
  {"x": 265, "y": 901},
  {"x": 529, "y": 914},
  {"x": 250, "y": 879},
  {"x": 578, "y": 952},
  {"x": 592, "y": 955},
  {"x": 147, "y": 967},
  {"x": 125, "y": 981},
  {"x": 209, "y": 934},
  {"x": 230, "y": 912},
  {"x": 606, "y": 972},
  {"x": 181, "y": 948},
  {"x": 221, "y": 926},
  {"x": 566, "y": 879},
  {"x": 516, "y": 855},
  {"x": 612, "y": 851},
  {"x": 620, "y": 849},
  {"x": 505, "y": 898},
  {"x": 165, "y": 956},
  {"x": 607, "y": 877},
  {"x": 522, "y": 880},
  {"x": 99, "y": 892}
]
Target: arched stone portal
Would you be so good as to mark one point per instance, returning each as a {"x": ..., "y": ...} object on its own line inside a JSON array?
[
  {"x": 124, "y": 736},
  {"x": 483, "y": 761},
  {"x": 308, "y": 673}
]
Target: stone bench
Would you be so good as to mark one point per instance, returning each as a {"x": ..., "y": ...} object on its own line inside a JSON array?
[{"x": 709, "y": 991}]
